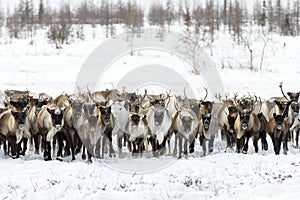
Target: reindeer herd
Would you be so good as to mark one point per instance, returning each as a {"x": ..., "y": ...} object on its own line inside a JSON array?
[{"x": 92, "y": 122}]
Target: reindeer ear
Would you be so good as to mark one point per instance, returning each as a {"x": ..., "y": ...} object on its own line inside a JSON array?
[
  {"x": 274, "y": 115},
  {"x": 49, "y": 110}
]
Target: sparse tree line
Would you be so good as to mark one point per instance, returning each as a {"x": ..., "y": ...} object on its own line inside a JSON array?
[{"x": 202, "y": 20}]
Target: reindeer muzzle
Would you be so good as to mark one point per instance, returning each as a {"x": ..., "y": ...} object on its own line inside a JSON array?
[
  {"x": 106, "y": 121},
  {"x": 231, "y": 130},
  {"x": 279, "y": 127},
  {"x": 21, "y": 126},
  {"x": 244, "y": 126},
  {"x": 206, "y": 125},
  {"x": 78, "y": 115},
  {"x": 188, "y": 129},
  {"x": 57, "y": 126}
]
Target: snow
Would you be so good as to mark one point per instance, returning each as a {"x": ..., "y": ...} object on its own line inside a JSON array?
[{"x": 42, "y": 68}]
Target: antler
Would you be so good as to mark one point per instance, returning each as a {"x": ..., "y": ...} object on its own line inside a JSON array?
[
  {"x": 280, "y": 86},
  {"x": 184, "y": 92},
  {"x": 206, "y": 93},
  {"x": 235, "y": 96},
  {"x": 218, "y": 96}
]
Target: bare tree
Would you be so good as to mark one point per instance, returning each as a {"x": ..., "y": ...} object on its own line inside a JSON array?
[
  {"x": 13, "y": 24},
  {"x": 41, "y": 13},
  {"x": 170, "y": 15}
]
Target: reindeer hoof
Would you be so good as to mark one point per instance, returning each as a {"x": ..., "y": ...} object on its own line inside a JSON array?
[
  {"x": 89, "y": 161},
  {"x": 244, "y": 152},
  {"x": 83, "y": 157},
  {"x": 47, "y": 159},
  {"x": 59, "y": 158}
]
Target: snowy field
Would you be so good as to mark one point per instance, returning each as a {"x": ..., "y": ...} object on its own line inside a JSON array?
[{"x": 42, "y": 68}]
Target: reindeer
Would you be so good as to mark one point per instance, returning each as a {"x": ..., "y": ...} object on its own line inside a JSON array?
[
  {"x": 90, "y": 131},
  {"x": 12, "y": 128},
  {"x": 159, "y": 121},
  {"x": 35, "y": 106},
  {"x": 50, "y": 121},
  {"x": 278, "y": 128},
  {"x": 137, "y": 130},
  {"x": 185, "y": 124},
  {"x": 249, "y": 125},
  {"x": 295, "y": 128},
  {"x": 121, "y": 114},
  {"x": 106, "y": 122},
  {"x": 229, "y": 127},
  {"x": 73, "y": 119}
]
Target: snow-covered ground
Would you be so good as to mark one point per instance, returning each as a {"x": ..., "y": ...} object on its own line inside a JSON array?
[{"x": 41, "y": 68}]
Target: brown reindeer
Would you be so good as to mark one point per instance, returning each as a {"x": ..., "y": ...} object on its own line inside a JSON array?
[
  {"x": 12, "y": 129},
  {"x": 249, "y": 125},
  {"x": 107, "y": 123},
  {"x": 50, "y": 121},
  {"x": 278, "y": 128}
]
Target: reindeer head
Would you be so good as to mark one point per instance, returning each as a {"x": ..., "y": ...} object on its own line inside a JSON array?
[
  {"x": 93, "y": 122},
  {"x": 206, "y": 121},
  {"x": 245, "y": 118},
  {"x": 77, "y": 107},
  {"x": 57, "y": 117},
  {"x": 206, "y": 107},
  {"x": 159, "y": 114},
  {"x": 278, "y": 121},
  {"x": 136, "y": 118},
  {"x": 283, "y": 107},
  {"x": 295, "y": 108},
  {"x": 231, "y": 117},
  {"x": 20, "y": 117},
  {"x": 106, "y": 115},
  {"x": 294, "y": 96}
]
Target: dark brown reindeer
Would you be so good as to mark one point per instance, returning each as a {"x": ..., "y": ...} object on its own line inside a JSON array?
[
  {"x": 278, "y": 129},
  {"x": 249, "y": 125}
]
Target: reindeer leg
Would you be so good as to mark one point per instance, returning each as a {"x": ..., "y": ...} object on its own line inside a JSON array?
[
  {"x": 5, "y": 148},
  {"x": 204, "y": 146},
  {"x": 119, "y": 143},
  {"x": 255, "y": 143},
  {"x": 185, "y": 152},
  {"x": 175, "y": 145},
  {"x": 245, "y": 148},
  {"x": 83, "y": 155},
  {"x": 154, "y": 146},
  {"x": 179, "y": 145},
  {"x": 238, "y": 145},
  {"x": 59, "y": 138},
  {"x": 211, "y": 144},
  {"x": 192, "y": 144},
  {"x": 103, "y": 146},
  {"x": 36, "y": 140},
  {"x": 25, "y": 141},
  {"x": 89, "y": 157},
  {"x": 111, "y": 149},
  {"x": 297, "y": 138}
]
